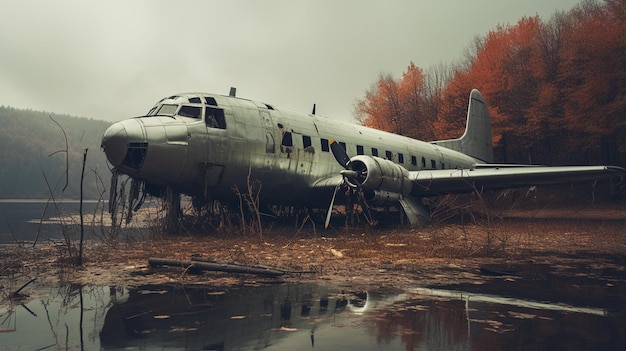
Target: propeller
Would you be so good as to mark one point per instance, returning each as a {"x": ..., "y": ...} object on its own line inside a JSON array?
[
  {"x": 340, "y": 154},
  {"x": 350, "y": 177},
  {"x": 332, "y": 201}
]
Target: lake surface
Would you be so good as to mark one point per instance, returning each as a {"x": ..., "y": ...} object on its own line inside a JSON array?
[
  {"x": 34, "y": 219},
  {"x": 23, "y": 219},
  {"x": 299, "y": 317}
]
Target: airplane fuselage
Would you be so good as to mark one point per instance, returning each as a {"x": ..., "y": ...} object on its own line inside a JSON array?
[{"x": 204, "y": 145}]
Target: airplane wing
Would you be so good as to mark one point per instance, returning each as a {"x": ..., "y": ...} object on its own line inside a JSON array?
[
  {"x": 426, "y": 183},
  {"x": 447, "y": 181}
]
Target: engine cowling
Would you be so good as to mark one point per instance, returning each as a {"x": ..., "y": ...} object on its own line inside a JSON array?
[{"x": 382, "y": 181}]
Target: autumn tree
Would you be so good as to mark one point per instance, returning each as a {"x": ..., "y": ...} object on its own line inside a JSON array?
[
  {"x": 593, "y": 76},
  {"x": 398, "y": 106},
  {"x": 555, "y": 89},
  {"x": 380, "y": 108}
]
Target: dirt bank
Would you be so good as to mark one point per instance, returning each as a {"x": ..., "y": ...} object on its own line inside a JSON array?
[{"x": 436, "y": 255}]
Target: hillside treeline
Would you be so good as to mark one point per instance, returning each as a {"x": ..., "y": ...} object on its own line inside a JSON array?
[
  {"x": 555, "y": 89},
  {"x": 32, "y": 146}
]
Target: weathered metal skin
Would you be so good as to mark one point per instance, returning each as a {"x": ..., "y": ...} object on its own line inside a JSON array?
[
  {"x": 258, "y": 143},
  {"x": 212, "y": 146}
]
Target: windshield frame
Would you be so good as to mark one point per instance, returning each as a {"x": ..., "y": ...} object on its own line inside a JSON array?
[{"x": 166, "y": 110}]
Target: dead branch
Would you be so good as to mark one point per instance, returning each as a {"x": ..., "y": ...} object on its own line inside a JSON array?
[
  {"x": 17, "y": 294},
  {"x": 66, "y": 151},
  {"x": 212, "y": 266}
]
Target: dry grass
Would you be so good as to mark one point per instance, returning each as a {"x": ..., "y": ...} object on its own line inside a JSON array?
[{"x": 396, "y": 257}]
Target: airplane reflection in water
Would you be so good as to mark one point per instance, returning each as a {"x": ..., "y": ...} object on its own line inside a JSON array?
[
  {"x": 205, "y": 145},
  {"x": 308, "y": 316},
  {"x": 303, "y": 316}
]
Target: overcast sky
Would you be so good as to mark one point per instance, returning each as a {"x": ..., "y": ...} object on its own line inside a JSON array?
[{"x": 114, "y": 59}]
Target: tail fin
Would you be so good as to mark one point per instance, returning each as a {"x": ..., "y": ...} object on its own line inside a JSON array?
[{"x": 476, "y": 141}]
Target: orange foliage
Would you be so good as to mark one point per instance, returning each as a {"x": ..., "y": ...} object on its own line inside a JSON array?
[
  {"x": 397, "y": 105},
  {"x": 555, "y": 90}
]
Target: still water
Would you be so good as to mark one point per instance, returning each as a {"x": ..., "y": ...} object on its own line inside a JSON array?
[
  {"x": 298, "y": 317},
  {"x": 39, "y": 220},
  {"x": 31, "y": 219}
]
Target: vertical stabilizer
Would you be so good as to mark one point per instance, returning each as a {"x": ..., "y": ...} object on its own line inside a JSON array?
[{"x": 476, "y": 141}]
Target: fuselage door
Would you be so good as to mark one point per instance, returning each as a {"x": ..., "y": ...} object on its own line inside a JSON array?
[
  {"x": 217, "y": 145},
  {"x": 270, "y": 141}
]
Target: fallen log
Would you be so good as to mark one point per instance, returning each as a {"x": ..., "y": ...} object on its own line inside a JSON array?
[
  {"x": 214, "y": 266},
  {"x": 206, "y": 259}
]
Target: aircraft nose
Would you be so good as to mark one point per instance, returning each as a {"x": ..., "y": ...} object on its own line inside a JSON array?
[{"x": 115, "y": 143}]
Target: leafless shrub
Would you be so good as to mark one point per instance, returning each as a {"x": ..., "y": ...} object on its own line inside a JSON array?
[
  {"x": 468, "y": 212},
  {"x": 250, "y": 200}
]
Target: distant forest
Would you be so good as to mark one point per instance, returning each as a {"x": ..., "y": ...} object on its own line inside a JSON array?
[
  {"x": 556, "y": 89},
  {"x": 32, "y": 149}
]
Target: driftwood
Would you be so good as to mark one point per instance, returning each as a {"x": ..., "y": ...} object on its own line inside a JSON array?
[
  {"x": 206, "y": 259},
  {"x": 214, "y": 266},
  {"x": 17, "y": 294}
]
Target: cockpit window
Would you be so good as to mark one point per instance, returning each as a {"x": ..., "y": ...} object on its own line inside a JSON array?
[
  {"x": 214, "y": 117},
  {"x": 190, "y": 111},
  {"x": 210, "y": 100},
  {"x": 167, "y": 110},
  {"x": 195, "y": 100}
]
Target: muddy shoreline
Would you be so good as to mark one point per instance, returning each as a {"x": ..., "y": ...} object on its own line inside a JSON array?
[{"x": 526, "y": 257}]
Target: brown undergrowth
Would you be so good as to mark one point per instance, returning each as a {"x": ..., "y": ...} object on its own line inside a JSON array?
[{"x": 435, "y": 254}]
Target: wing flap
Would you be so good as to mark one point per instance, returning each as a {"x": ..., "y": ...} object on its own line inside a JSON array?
[{"x": 437, "y": 182}]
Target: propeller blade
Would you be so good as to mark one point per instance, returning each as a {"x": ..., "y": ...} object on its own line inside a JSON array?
[
  {"x": 332, "y": 201},
  {"x": 340, "y": 153}
]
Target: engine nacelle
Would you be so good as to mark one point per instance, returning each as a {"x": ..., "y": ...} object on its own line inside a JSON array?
[
  {"x": 381, "y": 197},
  {"x": 383, "y": 181}
]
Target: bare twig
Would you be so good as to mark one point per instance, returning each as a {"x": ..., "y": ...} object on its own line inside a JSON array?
[
  {"x": 80, "y": 212},
  {"x": 17, "y": 292},
  {"x": 67, "y": 161}
]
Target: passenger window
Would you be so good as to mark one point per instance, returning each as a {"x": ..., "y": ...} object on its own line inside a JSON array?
[
  {"x": 388, "y": 155},
  {"x": 286, "y": 145},
  {"x": 306, "y": 141},
  {"x": 374, "y": 152},
  {"x": 414, "y": 160},
  {"x": 359, "y": 150},
  {"x": 325, "y": 146},
  {"x": 423, "y": 162},
  {"x": 214, "y": 118},
  {"x": 433, "y": 164},
  {"x": 287, "y": 141},
  {"x": 400, "y": 157},
  {"x": 190, "y": 111}
]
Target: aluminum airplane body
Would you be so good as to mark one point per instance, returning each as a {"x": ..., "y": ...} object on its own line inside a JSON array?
[{"x": 204, "y": 145}]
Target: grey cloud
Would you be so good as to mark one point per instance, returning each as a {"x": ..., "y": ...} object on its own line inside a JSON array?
[{"x": 114, "y": 59}]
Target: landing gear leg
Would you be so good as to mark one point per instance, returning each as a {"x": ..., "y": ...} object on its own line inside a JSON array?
[
  {"x": 349, "y": 212},
  {"x": 172, "y": 211}
]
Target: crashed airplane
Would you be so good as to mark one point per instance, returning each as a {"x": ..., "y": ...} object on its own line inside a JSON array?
[{"x": 205, "y": 145}]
